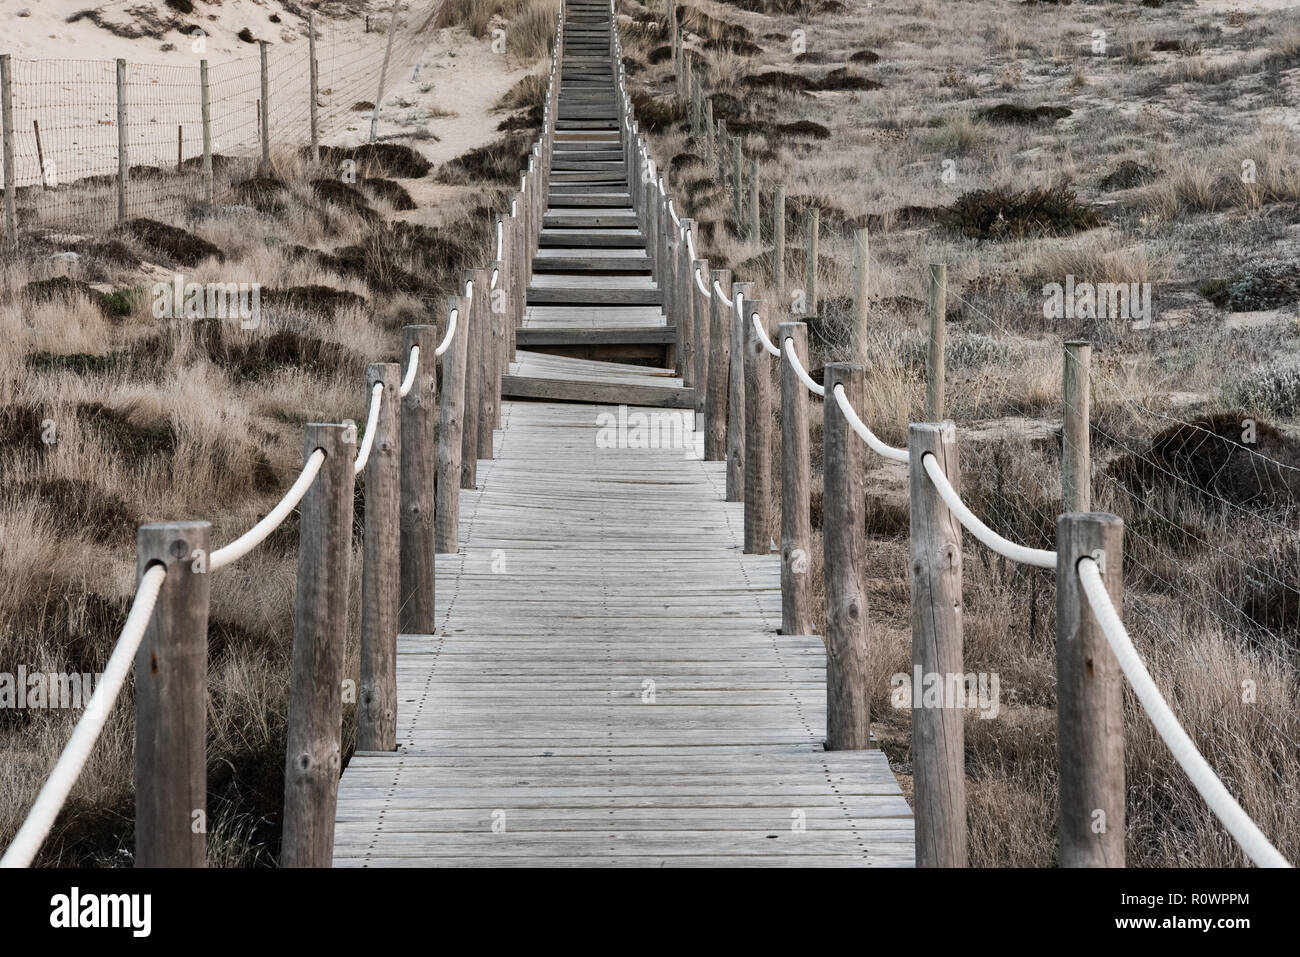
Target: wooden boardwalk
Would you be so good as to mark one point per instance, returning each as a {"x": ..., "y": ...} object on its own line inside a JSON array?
[{"x": 608, "y": 684}]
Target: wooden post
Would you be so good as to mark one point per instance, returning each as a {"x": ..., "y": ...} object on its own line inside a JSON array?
[
  {"x": 700, "y": 328},
  {"x": 740, "y": 294},
  {"x": 683, "y": 303},
  {"x": 1076, "y": 449},
  {"x": 313, "y": 756},
  {"x": 708, "y": 131},
  {"x": 938, "y": 728},
  {"x": 715, "y": 400},
  {"x": 737, "y": 184},
  {"x": 720, "y": 171},
  {"x": 40, "y": 154},
  {"x": 417, "y": 454},
  {"x": 451, "y": 429},
  {"x": 493, "y": 346},
  {"x": 755, "y": 224},
  {"x": 381, "y": 592},
  {"x": 796, "y": 487},
  {"x": 1089, "y": 697},
  {"x": 123, "y": 165},
  {"x": 180, "y": 146},
  {"x": 383, "y": 71},
  {"x": 171, "y": 700},
  {"x": 313, "y": 76},
  {"x": 937, "y": 308},
  {"x": 264, "y": 48},
  {"x": 472, "y": 326},
  {"x": 205, "y": 118},
  {"x": 810, "y": 281},
  {"x": 848, "y": 701},
  {"x": 7, "y": 110},
  {"x": 758, "y": 434},
  {"x": 778, "y": 240},
  {"x": 861, "y": 289}
]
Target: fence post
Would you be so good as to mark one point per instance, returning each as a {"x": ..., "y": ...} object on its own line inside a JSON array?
[
  {"x": 123, "y": 165},
  {"x": 700, "y": 327},
  {"x": 737, "y": 184},
  {"x": 493, "y": 346},
  {"x": 472, "y": 326},
  {"x": 7, "y": 107},
  {"x": 715, "y": 401},
  {"x": 313, "y": 758},
  {"x": 796, "y": 484},
  {"x": 264, "y": 48},
  {"x": 1089, "y": 697},
  {"x": 313, "y": 73},
  {"x": 936, "y": 307},
  {"x": 205, "y": 119},
  {"x": 1076, "y": 450},
  {"x": 814, "y": 218},
  {"x": 740, "y": 293},
  {"x": 848, "y": 701},
  {"x": 708, "y": 130},
  {"x": 683, "y": 300},
  {"x": 778, "y": 239},
  {"x": 171, "y": 700},
  {"x": 451, "y": 430},
  {"x": 383, "y": 71},
  {"x": 938, "y": 728},
  {"x": 861, "y": 289},
  {"x": 758, "y": 434},
  {"x": 755, "y": 223},
  {"x": 381, "y": 564}
]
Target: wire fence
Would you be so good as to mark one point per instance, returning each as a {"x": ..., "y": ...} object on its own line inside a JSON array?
[{"x": 64, "y": 118}]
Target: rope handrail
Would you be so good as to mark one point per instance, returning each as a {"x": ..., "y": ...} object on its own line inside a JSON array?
[
  {"x": 690, "y": 244},
  {"x": 860, "y": 427},
  {"x": 1040, "y": 557},
  {"x": 1207, "y": 783},
  {"x": 36, "y": 827},
  {"x": 228, "y": 554},
  {"x": 717, "y": 291},
  {"x": 800, "y": 371},
  {"x": 762, "y": 335},
  {"x": 449, "y": 335},
  {"x": 372, "y": 422},
  {"x": 699, "y": 282},
  {"x": 412, "y": 366}
]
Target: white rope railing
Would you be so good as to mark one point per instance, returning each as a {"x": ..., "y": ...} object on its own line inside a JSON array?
[
  {"x": 372, "y": 423},
  {"x": 699, "y": 282},
  {"x": 1224, "y": 806},
  {"x": 229, "y": 554},
  {"x": 809, "y": 382},
  {"x": 412, "y": 365},
  {"x": 762, "y": 335},
  {"x": 717, "y": 291},
  {"x": 860, "y": 427},
  {"x": 1039, "y": 557},
  {"x": 449, "y": 335},
  {"x": 27, "y": 842}
]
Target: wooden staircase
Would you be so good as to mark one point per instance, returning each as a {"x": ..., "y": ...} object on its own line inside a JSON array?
[{"x": 594, "y": 329}]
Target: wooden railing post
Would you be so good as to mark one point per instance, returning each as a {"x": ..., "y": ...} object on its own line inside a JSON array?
[
  {"x": 938, "y": 730},
  {"x": 778, "y": 240},
  {"x": 495, "y": 311},
  {"x": 205, "y": 120},
  {"x": 813, "y": 228},
  {"x": 796, "y": 485},
  {"x": 848, "y": 702},
  {"x": 1076, "y": 447},
  {"x": 474, "y": 328},
  {"x": 451, "y": 430},
  {"x": 740, "y": 295},
  {"x": 737, "y": 185},
  {"x": 755, "y": 220},
  {"x": 936, "y": 307},
  {"x": 264, "y": 50},
  {"x": 1089, "y": 697},
  {"x": 700, "y": 325},
  {"x": 861, "y": 290},
  {"x": 683, "y": 302},
  {"x": 715, "y": 400},
  {"x": 171, "y": 700},
  {"x": 314, "y": 751},
  {"x": 123, "y": 164},
  {"x": 7, "y": 122},
  {"x": 415, "y": 452},
  {"x": 381, "y": 569},
  {"x": 758, "y": 434}
]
